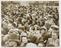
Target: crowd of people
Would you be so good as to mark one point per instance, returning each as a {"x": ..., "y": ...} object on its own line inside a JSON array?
[{"x": 35, "y": 25}]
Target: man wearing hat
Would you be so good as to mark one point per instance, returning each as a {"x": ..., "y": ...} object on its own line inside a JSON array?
[
  {"x": 12, "y": 36},
  {"x": 54, "y": 28},
  {"x": 49, "y": 21}
]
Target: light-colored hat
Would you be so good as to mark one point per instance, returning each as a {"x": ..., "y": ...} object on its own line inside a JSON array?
[
  {"x": 54, "y": 26},
  {"x": 50, "y": 16},
  {"x": 31, "y": 45},
  {"x": 13, "y": 30},
  {"x": 44, "y": 28},
  {"x": 20, "y": 26},
  {"x": 23, "y": 34}
]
